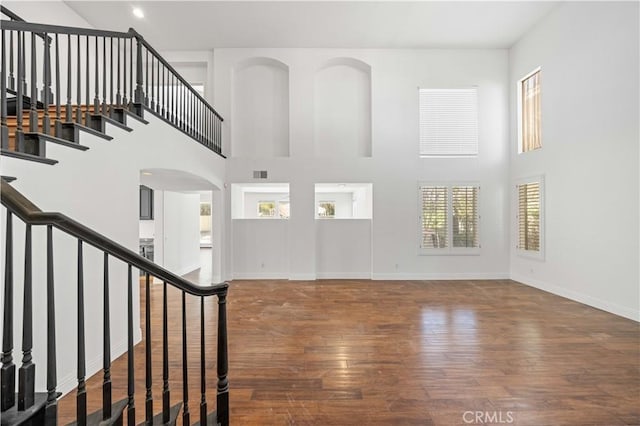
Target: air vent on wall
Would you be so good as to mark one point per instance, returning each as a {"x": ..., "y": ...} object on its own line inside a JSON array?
[{"x": 259, "y": 174}]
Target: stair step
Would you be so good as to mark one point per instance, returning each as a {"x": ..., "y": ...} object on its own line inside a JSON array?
[
  {"x": 116, "y": 418},
  {"x": 173, "y": 417},
  {"x": 29, "y": 157},
  {"x": 33, "y": 415}
]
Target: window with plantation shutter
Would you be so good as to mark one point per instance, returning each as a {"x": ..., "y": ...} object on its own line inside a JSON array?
[
  {"x": 464, "y": 202},
  {"x": 434, "y": 216},
  {"x": 449, "y": 219},
  {"x": 529, "y": 216},
  {"x": 448, "y": 122}
]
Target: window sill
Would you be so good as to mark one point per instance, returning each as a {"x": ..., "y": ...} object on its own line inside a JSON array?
[{"x": 449, "y": 252}]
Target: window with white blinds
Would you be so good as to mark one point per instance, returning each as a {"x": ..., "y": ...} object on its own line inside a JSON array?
[
  {"x": 449, "y": 218},
  {"x": 448, "y": 122},
  {"x": 529, "y": 203}
]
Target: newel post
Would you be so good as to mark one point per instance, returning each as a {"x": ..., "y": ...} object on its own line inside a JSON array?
[
  {"x": 139, "y": 92},
  {"x": 222, "y": 403}
]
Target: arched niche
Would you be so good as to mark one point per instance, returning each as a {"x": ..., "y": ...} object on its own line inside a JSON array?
[
  {"x": 342, "y": 109},
  {"x": 260, "y": 102}
]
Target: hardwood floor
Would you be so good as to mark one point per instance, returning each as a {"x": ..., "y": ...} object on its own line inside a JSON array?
[{"x": 359, "y": 352}]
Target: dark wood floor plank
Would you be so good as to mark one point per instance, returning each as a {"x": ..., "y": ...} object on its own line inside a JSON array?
[{"x": 355, "y": 352}]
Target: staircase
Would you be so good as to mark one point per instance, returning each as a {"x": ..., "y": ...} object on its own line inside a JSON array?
[{"x": 56, "y": 84}]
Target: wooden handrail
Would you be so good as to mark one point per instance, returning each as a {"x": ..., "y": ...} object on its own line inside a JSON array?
[{"x": 19, "y": 205}]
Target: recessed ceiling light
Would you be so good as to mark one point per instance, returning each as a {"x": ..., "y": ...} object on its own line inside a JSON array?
[
  {"x": 147, "y": 173},
  {"x": 138, "y": 13}
]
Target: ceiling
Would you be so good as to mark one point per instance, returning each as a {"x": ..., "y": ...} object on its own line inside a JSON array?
[{"x": 203, "y": 25}]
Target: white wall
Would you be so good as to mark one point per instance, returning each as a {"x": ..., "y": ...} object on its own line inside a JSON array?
[
  {"x": 260, "y": 123},
  {"x": 394, "y": 169},
  {"x": 181, "y": 232},
  {"x": 589, "y": 157},
  {"x": 99, "y": 188},
  {"x": 342, "y": 109},
  {"x": 343, "y": 248},
  {"x": 260, "y": 248}
]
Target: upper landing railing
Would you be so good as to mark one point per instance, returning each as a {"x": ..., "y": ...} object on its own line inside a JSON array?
[{"x": 54, "y": 75}]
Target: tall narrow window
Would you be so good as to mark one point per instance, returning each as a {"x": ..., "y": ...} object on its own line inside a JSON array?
[
  {"x": 464, "y": 202},
  {"x": 434, "y": 217},
  {"x": 448, "y": 122},
  {"x": 530, "y": 120},
  {"x": 529, "y": 196}
]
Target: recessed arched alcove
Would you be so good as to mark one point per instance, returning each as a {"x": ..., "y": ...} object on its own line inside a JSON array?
[
  {"x": 260, "y": 104},
  {"x": 342, "y": 109}
]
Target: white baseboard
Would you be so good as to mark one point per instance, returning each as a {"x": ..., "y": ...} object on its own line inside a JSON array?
[
  {"x": 343, "y": 275},
  {"x": 302, "y": 277},
  {"x": 441, "y": 276},
  {"x": 260, "y": 276},
  {"x": 595, "y": 302}
]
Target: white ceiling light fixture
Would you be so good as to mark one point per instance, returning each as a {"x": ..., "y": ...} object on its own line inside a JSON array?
[{"x": 138, "y": 13}]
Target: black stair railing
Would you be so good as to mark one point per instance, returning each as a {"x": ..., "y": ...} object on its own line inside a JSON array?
[
  {"x": 57, "y": 80},
  {"x": 41, "y": 408}
]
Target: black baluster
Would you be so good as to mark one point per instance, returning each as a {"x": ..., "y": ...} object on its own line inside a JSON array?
[
  {"x": 186, "y": 416},
  {"x": 12, "y": 81},
  {"x": 58, "y": 120},
  {"x": 79, "y": 85},
  {"x": 19, "y": 135},
  {"x": 139, "y": 93},
  {"x": 33, "y": 112},
  {"x": 104, "y": 76},
  {"x": 131, "y": 92},
  {"x": 25, "y": 87},
  {"x": 67, "y": 112},
  {"x": 8, "y": 371},
  {"x": 118, "y": 97},
  {"x": 149, "y": 397},
  {"x": 111, "y": 89},
  {"x": 174, "y": 103},
  {"x": 96, "y": 95},
  {"x": 4, "y": 129},
  {"x": 27, "y": 372},
  {"x": 153, "y": 84},
  {"x": 106, "y": 343},
  {"x": 81, "y": 396},
  {"x": 51, "y": 407},
  {"x": 222, "y": 398},
  {"x": 68, "y": 116},
  {"x": 46, "y": 91},
  {"x": 146, "y": 79},
  {"x": 203, "y": 385},
  {"x": 166, "y": 408},
  {"x": 87, "y": 116},
  {"x": 131, "y": 406},
  {"x": 164, "y": 89},
  {"x": 124, "y": 74}
]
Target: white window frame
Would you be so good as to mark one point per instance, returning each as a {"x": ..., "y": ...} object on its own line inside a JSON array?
[
  {"x": 477, "y": 125},
  {"x": 530, "y": 254},
  {"x": 519, "y": 112},
  {"x": 449, "y": 250}
]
